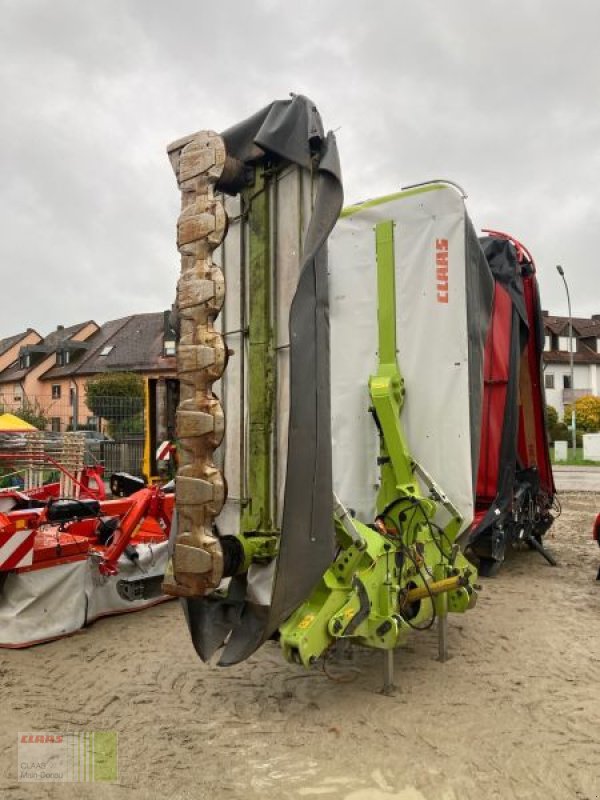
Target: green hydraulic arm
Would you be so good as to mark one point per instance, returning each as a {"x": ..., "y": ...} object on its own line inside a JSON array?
[
  {"x": 399, "y": 485},
  {"x": 386, "y": 387}
]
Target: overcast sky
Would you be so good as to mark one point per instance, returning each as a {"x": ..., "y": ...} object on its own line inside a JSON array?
[{"x": 500, "y": 96}]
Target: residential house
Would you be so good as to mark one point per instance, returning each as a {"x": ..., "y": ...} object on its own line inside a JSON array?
[
  {"x": 50, "y": 374},
  {"x": 586, "y": 359},
  {"x": 140, "y": 343},
  {"x": 20, "y": 382}
]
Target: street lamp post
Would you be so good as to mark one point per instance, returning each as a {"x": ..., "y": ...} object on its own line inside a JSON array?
[{"x": 561, "y": 272}]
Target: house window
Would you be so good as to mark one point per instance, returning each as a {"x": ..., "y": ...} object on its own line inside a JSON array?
[
  {"x": 546, "y": 343},
  {"x": 107, "y": 349},
  {"x": 549, "y": 381},
  {"x": 62, "y": 357},
  {"x": 17, "y": 393},
  {"x": 56, "y": 391},
  {"x": 170, "y": 347},
  {"x": 55, "y": 424},
  {"x": 25, "y": 361},
  {"x": 566, "y": 381},
  {"x": 563, "y": 343}
]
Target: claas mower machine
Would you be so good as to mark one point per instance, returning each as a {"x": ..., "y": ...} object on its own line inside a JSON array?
[{"x": 331, "y": 395}]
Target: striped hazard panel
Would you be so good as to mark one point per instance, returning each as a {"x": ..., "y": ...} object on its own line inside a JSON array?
[
  {"x": 16, "y": 549},
  {"x": 163, "y": 451}
]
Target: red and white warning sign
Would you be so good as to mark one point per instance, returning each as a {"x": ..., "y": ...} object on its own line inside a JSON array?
[
  {"x": 163, "y": 451},
  {"x": 16, "y": 546}
]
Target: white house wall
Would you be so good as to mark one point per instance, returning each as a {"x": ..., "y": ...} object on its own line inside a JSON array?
[{"x": 586, "y": 378}]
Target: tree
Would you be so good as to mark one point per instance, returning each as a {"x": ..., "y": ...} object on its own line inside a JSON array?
[
  {"x": 587, "y": 413},
  {"x": 117, "y": 397},
  {"x": 551, "y": 416},
  {"x": 557, "y": 431}
]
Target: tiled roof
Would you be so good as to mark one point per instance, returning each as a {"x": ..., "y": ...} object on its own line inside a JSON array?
[
  {"x": 10, "y": 341},
  {"x": 95, "y": 343},
  {"x": 59, "y": 335},
  {"x": 582, "y": 326},
  {"x": 583, "y": 356},
  {"x": 136, "y": 345},
  {"x": 13, "y": 374},
  {"x": 589, "y": 327},
  {"x": 48, "y": 345}
]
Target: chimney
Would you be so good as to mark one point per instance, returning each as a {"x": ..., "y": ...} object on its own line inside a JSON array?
[
  {"x": 545, "y": 313},
  {"x": 60, "y": 327},
  {"x": 596, "y": 317}
]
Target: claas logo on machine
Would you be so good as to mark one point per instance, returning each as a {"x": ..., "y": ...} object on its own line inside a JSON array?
[
  {"x": 28, "y": 738},
  {"x": 441, "y": 270}
]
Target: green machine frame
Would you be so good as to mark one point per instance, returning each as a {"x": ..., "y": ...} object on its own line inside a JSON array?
[{"x": 258, "y": 535}]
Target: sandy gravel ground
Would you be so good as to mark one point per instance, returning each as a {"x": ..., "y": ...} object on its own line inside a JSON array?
[{"x": 514, "y": 714}]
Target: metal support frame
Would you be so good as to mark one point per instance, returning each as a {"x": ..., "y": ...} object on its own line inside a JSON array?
[
  {"x": 388, "y": 672},
  {"x": 442, "y": 626},
  {"x": 258, "y": 513}
]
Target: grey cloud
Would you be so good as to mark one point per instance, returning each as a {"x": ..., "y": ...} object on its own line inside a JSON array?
[{"x": 498, "y": 96}]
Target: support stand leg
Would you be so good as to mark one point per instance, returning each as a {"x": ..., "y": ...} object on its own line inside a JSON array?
[
  {"x": 442, "y": 627},
  {"x": 536, "y": 545},
  {"x": 345, "y": 650},
  {"x": 388, "y": 673}
]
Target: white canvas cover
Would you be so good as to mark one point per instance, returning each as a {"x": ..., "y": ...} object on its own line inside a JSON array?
[
  {"x": 432, "y": 340},
  {"x": 48, "y": 603}
]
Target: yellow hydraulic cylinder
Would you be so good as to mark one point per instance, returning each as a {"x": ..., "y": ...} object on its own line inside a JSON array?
[{"x": 437, "y": 587}]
